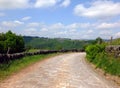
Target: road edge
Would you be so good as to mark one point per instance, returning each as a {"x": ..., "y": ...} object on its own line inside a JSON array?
[{"x": 113, "y": 79}]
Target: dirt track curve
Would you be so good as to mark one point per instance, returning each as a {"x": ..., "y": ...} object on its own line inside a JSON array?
[{"x": 63, "y": 71}]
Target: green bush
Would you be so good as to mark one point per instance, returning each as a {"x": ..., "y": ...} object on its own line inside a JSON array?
[
  {"x": 93, "y": 50},
  {"x": 97, "y": 55},
  {"x": 108, "y": 64}
]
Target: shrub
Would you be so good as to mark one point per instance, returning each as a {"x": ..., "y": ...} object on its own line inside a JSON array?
[
  {"x": 93, "y": 50},
  {"x": 97, "y": 55}
]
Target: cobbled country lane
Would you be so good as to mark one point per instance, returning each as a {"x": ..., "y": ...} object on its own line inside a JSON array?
[{"x": 63, "y": 71}]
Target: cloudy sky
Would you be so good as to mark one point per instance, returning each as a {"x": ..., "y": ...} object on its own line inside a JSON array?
[{"x": 75, "y": 19}]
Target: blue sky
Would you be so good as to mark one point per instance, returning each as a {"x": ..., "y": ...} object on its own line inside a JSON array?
[{"x": 75, "y": 19}]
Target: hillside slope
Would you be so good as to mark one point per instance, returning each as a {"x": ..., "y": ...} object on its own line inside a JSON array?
[{"x": 55, "y": 43}]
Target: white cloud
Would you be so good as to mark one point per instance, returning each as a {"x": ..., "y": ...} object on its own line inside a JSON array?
[
  {"x": 58, "y": 26},
  {"x": 65, "y": 3},
  {"x": 31, "y": 31},
  {"x": 108, "y": 25},
  {"x": 61, "y": 33},
  {"x": 78, "y": 25},
  {"x": 18, "y": 22},
  {"x": 66, "y": 31},
  {"x": 26, "y": 18},
  {"x": 17, "y": 4},
  {"x": 74, "y": 30},
  {"x": 11, "y": 23},
  {"x": 106, "y": 33},
  {"x": 45, "y": 3},
  {"x": 12, "y": 4},
  {"x": 44, "y": 29},
  {"x": 50, "y": 3},
  {"x": 117, "y": 35},
  {"x": 33, "y": 24},
  {"x": 98, "y": 9},
  {"x": 14, "y": 26},
  {"x": 89, "y": 32}
]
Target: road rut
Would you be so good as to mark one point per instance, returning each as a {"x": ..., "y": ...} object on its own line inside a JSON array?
[{"x": 63, "y": 71}]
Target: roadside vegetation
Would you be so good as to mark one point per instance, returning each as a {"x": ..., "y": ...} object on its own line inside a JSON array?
[
  {"x": 16, "y": 65},
  {"x": 32, "y": 50},
  {"x": 108, "y": 62}
]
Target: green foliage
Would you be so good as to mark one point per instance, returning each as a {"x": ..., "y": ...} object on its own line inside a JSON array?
[
  {"x": 33, "y": 50},
  {"x": 116, "y": 42},
  {"x": 99, "y": 40},
  {"x": 97, "y": 55},
  {"x": 113, "y": 42},
  {"x": 93, "y": 50},
  {"x": 107, "y": 63},
  {"x": 12, "y": 42},
  {"x": 55, "y": 44}
]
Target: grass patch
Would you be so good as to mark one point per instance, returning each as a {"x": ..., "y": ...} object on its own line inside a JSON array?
[
  {"x": 16, "y": 65},
  {"x": 108, "y": 63},
  {"x": 33, "y": 50}
]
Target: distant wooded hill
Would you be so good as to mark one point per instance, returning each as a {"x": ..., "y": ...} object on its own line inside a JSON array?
[{"x": 55, "y": 43}]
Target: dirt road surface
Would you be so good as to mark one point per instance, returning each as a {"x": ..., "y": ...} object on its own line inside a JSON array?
[{"x": 63, "y": 71}]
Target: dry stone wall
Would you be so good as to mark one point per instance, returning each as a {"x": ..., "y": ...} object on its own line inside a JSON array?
[
  {"x": 5, "y": 58},
  {"x": 115, "y": 49}
]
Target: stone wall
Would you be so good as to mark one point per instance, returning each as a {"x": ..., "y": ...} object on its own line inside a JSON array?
[
  {"x": 5, "y": 58},
  {"x": 115, "y": 49}
]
